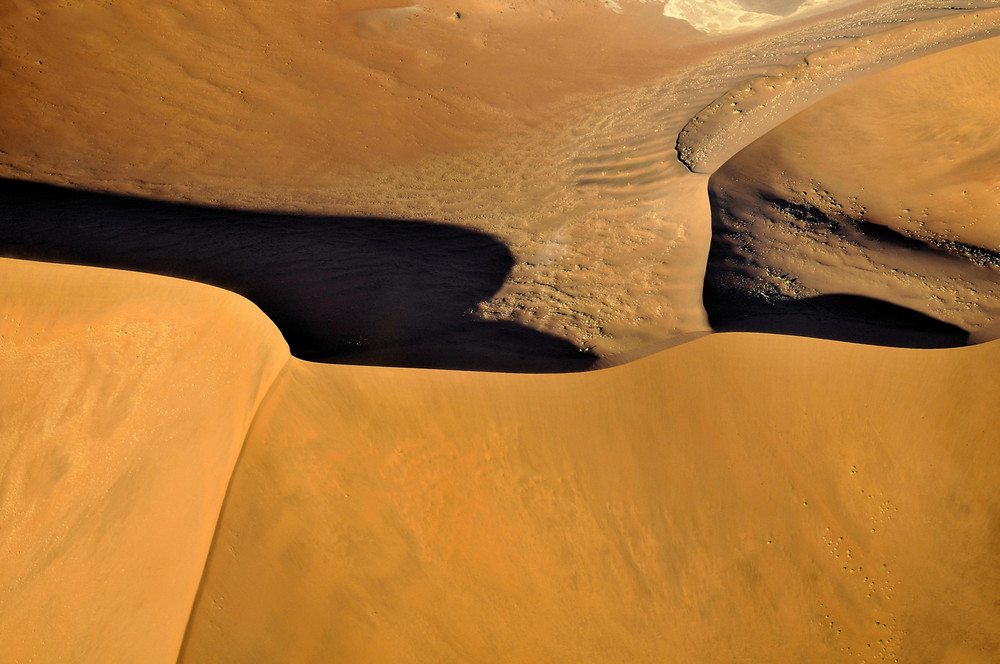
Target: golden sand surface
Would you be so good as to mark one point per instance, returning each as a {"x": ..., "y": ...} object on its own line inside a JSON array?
[
  {"x": 125, "y": 401},
  {"x": 436, "y": 182},
  {"x": 737, "y": 498}
]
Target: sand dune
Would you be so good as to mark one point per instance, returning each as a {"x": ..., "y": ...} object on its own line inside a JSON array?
[
  {"x": 125, "y": 402},
  {"x": 344, "y": 289},
  {"x": 550, "y": 126},
  {"x": 825, "y": 502},
  {"x": 737, "y": 118},
  {"x": 738, "y": 498},
  {"x": 735, "y": 497},
  {"x": 885, "y": 190},
  {"x": 497, "y": 187}
]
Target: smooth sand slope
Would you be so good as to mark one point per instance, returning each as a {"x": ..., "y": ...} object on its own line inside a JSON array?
[
  {"x": 738, "y": 498},
  {"x": 886, "y": 190},
  {"x": 125, "y": 401}
]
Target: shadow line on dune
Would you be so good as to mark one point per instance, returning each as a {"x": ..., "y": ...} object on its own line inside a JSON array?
[
  {"x": 355, "y": 290},
  {"x": 736, "y": 301},
  {"x": 840, "y": 317}
]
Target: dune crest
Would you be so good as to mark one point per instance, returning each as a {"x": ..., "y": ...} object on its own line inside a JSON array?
[
  {"x": 885, "y": 190},
  {"x": 125, "y": 402}
]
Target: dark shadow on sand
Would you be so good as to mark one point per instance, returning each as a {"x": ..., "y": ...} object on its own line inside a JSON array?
[
  {"x": 341, "y": 289},
  {"x": 840, "y": 317},
  {"x": 737, "y": 301}
]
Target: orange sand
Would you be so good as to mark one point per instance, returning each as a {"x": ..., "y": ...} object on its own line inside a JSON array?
[{"x": 176, "y": 486}]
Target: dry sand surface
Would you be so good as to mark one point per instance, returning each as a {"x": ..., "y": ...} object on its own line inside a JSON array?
[
  {"x": 888, "y": 190},
  {"x": 550, "y": 126},
  {"x": 737, "y": 498},
  {"x": 741, "y": 497},
  {"x": 499, "y": 194},
  {"x": 125, "y": 401}
]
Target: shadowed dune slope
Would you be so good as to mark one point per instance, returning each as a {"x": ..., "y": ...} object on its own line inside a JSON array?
[
  {"x": 737, "y": 498},
  {"x": 345, "y": 289},
  {"x": 548, "y": 124},
  {"x": 886, "y": 190},
  {"x": 124, "y": 403}
]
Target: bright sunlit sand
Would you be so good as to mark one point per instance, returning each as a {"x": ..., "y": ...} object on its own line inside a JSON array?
[{"x": 587, "y": 331}]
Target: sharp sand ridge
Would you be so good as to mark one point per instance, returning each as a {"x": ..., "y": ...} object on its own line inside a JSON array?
[
  {"x": 125, "y": 402},
  {"x": 177, "y": 487},
  {"x": 825, "y": 504},
  {"x": 740, "y": 116}
]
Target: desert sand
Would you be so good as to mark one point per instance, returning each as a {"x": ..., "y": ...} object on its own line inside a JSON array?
[{"x": 370, "y": 433}]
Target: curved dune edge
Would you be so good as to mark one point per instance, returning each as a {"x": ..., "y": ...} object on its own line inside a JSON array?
[
  {"x": 728, "y": 499},
  {"x": 737, "y": 496},
  {"x": 748, "y": 111},
  {"x": 125, "y": 402},
  {"x": 885, "y": 190}
]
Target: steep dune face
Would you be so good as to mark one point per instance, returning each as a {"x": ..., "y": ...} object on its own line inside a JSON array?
[
  {"x": 738, "y": 498},
  {"x": 887, "y": 190},
  {"x": 549, "y": 125},
  {"x": 124, "y": 403}
]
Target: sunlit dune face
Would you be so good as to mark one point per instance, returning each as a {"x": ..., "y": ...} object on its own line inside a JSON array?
[
  {"x": 482, "y": 199},
  {"x": 261, "y": 92}
]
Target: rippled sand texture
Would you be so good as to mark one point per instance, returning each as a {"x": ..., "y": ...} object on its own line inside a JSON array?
[
  {"x": 498, "y": 187},
  {"x": 549, "y": 126}
]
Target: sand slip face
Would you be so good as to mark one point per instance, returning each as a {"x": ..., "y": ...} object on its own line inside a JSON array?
[
  {"x": 550, "y": 126},
  {"x": 124, "y": 402},
  {"x": 886, "y": 190},
  {"x": 738, "y": 498}
]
